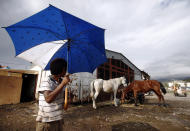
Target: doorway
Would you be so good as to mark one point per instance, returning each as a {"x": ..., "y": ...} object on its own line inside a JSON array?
[{"x": 28, "y": 87}]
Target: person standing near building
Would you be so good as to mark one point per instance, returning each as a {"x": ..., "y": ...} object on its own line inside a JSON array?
[{"x": 51, "y": 97}]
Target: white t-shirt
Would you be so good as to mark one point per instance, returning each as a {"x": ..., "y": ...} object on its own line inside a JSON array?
[{"x": 50, "y": 111}]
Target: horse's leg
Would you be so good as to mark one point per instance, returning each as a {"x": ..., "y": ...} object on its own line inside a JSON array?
[
  {"x": 163, "y": 100},
  {"x": 115, "y": 99},
  {"x": 162, "y": 97},
  {"x": 164, "y": 103},
  {"x": 135, "y": 97},
  {"x": 94, "y": 101},
  {"x": 158, "y": 93},
  {"x": 159, "y": 97}
]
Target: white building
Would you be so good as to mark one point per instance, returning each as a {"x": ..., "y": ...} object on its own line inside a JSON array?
[{"x": 181, "y": 83}]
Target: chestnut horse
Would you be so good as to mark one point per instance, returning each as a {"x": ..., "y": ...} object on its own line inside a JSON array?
[{"x": 144, "y": 87}]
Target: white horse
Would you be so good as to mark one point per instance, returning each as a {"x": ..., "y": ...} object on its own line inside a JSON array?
[{"x": 107, "y": 86}]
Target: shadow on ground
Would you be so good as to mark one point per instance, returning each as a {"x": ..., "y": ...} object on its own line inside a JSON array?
[{"x": 133, "y": 126}]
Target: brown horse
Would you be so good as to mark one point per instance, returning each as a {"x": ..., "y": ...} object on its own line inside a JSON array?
[{"x": 144, "y": 87}]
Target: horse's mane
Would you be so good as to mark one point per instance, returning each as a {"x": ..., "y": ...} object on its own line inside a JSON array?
[{"x": 113, "y": 79}]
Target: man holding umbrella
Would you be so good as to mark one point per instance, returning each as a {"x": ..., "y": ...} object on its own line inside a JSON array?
[
  {"x": 53, "y": 33},
  {"x": 51, "y": 99}
]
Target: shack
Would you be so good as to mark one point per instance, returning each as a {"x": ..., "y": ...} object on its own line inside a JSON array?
[{"x": 17, "y": 85}]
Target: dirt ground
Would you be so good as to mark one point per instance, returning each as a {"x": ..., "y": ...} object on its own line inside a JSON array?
[{"x": 126, "y": 117}]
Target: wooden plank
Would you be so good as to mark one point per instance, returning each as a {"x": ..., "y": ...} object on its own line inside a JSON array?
[
  {"x": 10, "y": 89},
  {"x": 19, "y": 71},
  {"x": 5, "y": 73}
]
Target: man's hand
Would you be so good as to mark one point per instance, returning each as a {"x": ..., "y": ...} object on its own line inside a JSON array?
[
  {"x": 65, "y": 79},
  {"x": 51, "y": 95}
]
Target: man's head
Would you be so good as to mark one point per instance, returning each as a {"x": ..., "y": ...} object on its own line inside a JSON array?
[{"x": 58, "y": 67}]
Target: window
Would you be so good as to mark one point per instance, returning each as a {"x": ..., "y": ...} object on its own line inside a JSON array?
[
  {"x": 100, "y": 73},
  {"x": 113, "y": 74},
  {"x": 115, "y": 68},
  {"x": 107, "y": 74}
]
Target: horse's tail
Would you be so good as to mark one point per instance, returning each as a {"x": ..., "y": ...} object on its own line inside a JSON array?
[
  {"x": 162, "y": 88},
  {"x": 92, "y": 88}
]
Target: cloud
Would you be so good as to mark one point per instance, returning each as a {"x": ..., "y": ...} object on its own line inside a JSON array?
[
  {"x": 153, "y": 34},
  {"x": 171, "y": 67},
  {"x": 162, "y": 33}
]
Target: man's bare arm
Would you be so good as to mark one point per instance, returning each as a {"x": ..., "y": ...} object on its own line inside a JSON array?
[{"x": 51, "y": 95}]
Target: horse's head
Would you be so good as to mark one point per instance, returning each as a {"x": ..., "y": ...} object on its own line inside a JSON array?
[
  {"x": 123, "y": 81},
  {"x": 125, "y": 90}
]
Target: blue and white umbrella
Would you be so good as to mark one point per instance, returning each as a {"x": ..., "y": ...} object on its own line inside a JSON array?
[{"x": 53, "y": 33}]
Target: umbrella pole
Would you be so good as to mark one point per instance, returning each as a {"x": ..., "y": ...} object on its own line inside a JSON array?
[{"x": 66, "y": 89}]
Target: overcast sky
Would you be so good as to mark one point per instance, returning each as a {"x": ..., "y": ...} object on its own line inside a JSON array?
[{"x": 153, "y": 34}]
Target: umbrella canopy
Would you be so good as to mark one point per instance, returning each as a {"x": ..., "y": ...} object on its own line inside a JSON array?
[{"x": 53, "y": 33}]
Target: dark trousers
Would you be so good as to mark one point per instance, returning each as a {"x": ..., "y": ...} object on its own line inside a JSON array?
[{"x": 49, "y": 126}]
